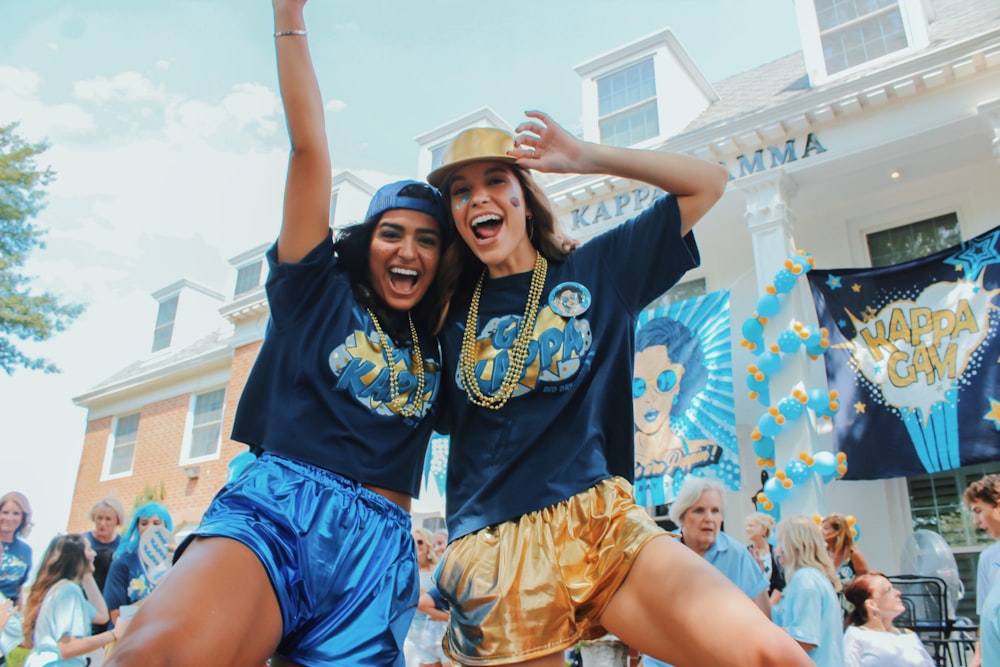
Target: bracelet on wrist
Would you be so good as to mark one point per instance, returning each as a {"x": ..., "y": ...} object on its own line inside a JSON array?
[
  {"x": 114, "y": 637},
  {"x": 290, "y": 33}
]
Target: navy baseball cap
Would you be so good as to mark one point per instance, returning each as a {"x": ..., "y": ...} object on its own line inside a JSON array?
[{"x": 413, "y": 195}]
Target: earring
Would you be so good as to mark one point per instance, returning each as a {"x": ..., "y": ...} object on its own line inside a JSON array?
[{"x": 531, "y": 227}]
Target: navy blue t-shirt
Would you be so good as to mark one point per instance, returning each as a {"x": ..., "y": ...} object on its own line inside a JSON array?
[
  {"x": 319, "y": 389},
  {"x": 126, "y": 582},
  {"x": 569, "y": 424},
  {"x": 15, "y": 565}
]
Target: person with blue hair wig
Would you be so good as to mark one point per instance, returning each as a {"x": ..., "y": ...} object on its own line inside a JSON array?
[{"x": 128, "y": 583}]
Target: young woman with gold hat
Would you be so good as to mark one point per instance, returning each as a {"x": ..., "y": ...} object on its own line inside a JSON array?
[
  {"x": 548, "y": 546},
  {"x": 306, "y": 556}
]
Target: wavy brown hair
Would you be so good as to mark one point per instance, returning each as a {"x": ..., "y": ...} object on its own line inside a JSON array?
[
  {"x": 841, "y": 543},
  {"x": 460, "y": 268},
  {"x": 986, "y": 489},
  {"x": 64, "y": 558}
]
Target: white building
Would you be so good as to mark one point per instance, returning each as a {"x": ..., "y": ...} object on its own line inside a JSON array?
[{"x": 879, "y": 141}]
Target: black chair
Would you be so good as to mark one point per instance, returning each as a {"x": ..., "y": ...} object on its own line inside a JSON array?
[{"x": 925, "y": 599}]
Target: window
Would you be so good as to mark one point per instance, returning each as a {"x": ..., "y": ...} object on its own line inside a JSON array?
[
  {"x": 165, "y": 323},
  {"x": 123, "y": 445},
  {"x": 918, "y": 239},
  {"x": 688, "y": 289},
  {"x": 437, "y": 155},
  {"x": 854, "y": 32},
  {"x": 626, "y": 105},
  {"x": 248, "y": 277},
  {"x": 206, "y": 424},
  {"x": 936, "y": 504}
]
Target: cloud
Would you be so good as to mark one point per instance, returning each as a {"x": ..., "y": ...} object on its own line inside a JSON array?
[
  {"x": 122, "y": 87},
  {"x": 335, "y": 106},
  {"x": 19, "y": 91}
]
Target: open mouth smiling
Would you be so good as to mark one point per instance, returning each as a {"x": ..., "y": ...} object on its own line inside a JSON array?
[
  {"x": 486, "y": 226},
  {"x": 403, "y": 279}
]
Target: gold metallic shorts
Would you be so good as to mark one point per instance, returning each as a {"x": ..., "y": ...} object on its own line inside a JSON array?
[{"x": 538, "y": 584}]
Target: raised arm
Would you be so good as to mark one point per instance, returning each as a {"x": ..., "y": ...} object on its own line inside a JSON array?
[
  {"x": 306, "y": 214},
  {"x": 544, "y": 145}
]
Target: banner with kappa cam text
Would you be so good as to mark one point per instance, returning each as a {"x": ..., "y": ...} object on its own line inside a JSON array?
[
  {"x": 682, "y": 393},
  {"x": 915, "y": 358}
]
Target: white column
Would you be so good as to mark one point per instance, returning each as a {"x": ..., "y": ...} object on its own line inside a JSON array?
[
  {"x": 770, "y": 218},
  {"x": 990, "y": 111}
]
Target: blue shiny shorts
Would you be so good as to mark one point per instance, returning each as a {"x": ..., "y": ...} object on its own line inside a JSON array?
[{"x": 340, "y": 558}]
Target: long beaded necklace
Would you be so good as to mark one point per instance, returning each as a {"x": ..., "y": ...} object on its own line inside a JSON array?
[
  {"x": 418, "y": 361},
  {"x": 518, "y": 351}
]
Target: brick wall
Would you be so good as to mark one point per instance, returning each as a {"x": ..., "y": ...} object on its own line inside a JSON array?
[{"x": 157, "y": 457}]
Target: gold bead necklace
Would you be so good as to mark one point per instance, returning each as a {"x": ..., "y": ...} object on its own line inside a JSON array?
[
  {"x": 518, "y": 351},
  {"x": 418, "y": 361}
]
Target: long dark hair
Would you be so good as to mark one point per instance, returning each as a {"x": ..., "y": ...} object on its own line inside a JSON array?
[
  {"x": 64, "y": 558},
  {"x": 460, "y": 268},
  {"x": 857, "y": 592},
  {"x": 353, "y": 245}
]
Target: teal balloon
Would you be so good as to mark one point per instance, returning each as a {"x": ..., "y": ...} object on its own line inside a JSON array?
[
  {"x": 790, "y": 407},
  {"x": 764, "y": 448},
  {"x": 802, "y": 261},
  {"x": 784, "y": 281},
  {"x": 768, "y": 305},
  {"x": 775, "y": 490},
  {"x": 825, "y": 465},
  {"x": 769, "y": 363},
  {"x": 815, "y": 334},
  {"x": 753, "y": 330},
  {"x": 789, "y": 341},
  {"x": 762, "y": 389},
  {"x": 819, "y": 401},
  {"x": 797, "y": 471},
  {"x": 768, "y": 426},
  {"x": 816, "y": 350}
]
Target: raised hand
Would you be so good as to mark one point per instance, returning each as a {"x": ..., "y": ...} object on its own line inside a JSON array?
[{"x": 544, "y": 145}]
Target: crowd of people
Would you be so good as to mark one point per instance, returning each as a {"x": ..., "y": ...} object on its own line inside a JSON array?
[
  {"x": 71, "y": 614},
  {"x": 456, "y": 305}
]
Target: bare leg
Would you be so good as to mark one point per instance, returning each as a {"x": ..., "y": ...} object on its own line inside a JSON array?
[
  {"x": 217, "y": 605},
  {"x": 676, "y": 607}
]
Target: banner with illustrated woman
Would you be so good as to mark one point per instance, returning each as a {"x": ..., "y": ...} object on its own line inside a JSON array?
[{"x": 682, "y": 392}]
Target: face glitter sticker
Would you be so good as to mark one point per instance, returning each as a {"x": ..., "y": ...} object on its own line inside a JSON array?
[
  {"x": 463, "y": 200},
  {"x": 515, "y": 202},
  {"x": 569, "y": 299}
]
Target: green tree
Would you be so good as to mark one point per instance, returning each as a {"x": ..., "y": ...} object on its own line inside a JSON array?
[{"x": 23, "y": 314}]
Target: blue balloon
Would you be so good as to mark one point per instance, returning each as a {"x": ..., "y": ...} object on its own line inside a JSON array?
[
  {"x": 768, "y": 305},
  {"x": 769, "y": 363},
  {"x": 789, "y": 341},
  {"x": 784, "y": 281},
  {"x": 815, "y": 334},
  {"x": 753, "y": 330},
  {"x": 790, "y": 407},
  {"x": 767, "y": 426},
  {"x": 775, "y": 490},
  {"x": 797, "y": 471},
  {"x": 825, "y": 465},
  {"x": 764, "y": 448},
  {"x": 762, "y": 389},
  {"x": 819, "y": 401}
]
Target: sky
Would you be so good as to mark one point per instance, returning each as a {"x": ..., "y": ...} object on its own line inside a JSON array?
[{"x": 166, "y": 134}]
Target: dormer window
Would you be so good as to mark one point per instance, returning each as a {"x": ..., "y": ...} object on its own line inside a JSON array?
[
  {"x": 247, "y": 278},
  {"x": 840, "y": 36},
  {"x": 626, "y": 105},
  {"x": 856, "y": 31},
  {"x": 164, "y": 330}
]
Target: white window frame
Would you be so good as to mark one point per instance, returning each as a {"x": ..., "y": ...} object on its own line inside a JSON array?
[
  {"x": 186, "y": 457},
  {"x": 912, "y": 15},
  {"x": 165, "y": 325},
  {"x": 633, "y": 107},
  {"x": 112, "y": 445},
  {"x": 259, "y": 265}
]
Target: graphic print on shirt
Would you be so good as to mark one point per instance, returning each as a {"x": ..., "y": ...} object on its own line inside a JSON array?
[
  {"x": 138, "y": 588},
  {"x": 557, "y": 350},
  {"x": 361, "y": 370},
  {"x": 12, "y": 568}
]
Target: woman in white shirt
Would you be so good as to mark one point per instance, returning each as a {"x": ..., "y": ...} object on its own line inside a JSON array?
[{"x": 871, "y": 640}]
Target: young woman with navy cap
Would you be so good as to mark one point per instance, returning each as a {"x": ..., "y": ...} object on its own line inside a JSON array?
[
  {"x": 306, "y": 557},
  {"x": 548, "y": 545}
]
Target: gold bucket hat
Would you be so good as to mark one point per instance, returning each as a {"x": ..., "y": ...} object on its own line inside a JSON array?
[{"x": 477, "y": 143}]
